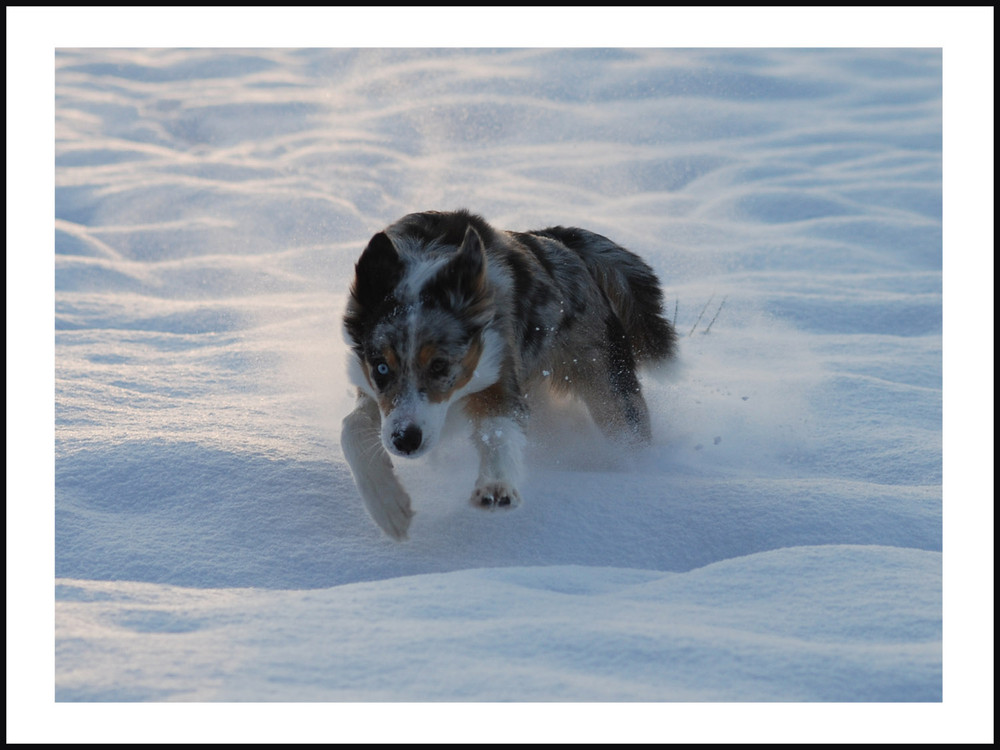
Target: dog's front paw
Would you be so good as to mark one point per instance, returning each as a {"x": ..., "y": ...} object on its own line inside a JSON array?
[
  {"x": 389, "y": 507},
  {"x": 495, "y": 495}
]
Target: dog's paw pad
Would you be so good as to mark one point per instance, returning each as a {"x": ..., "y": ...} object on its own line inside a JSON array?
[{"x": 495, "y": 496}]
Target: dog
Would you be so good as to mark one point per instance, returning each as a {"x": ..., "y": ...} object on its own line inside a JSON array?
[{"x": 445, "y": 311}]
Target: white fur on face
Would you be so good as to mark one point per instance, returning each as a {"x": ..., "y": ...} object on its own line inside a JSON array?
[
  {"x": 356, "y": 376},
  {"x": 411, "y": 408}
]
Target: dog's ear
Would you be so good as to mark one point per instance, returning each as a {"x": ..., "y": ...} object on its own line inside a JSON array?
[
  {"x": 461, "y": 284},
  {"x": 469, "y": 263},
  {"x": 377, "y": 272}
]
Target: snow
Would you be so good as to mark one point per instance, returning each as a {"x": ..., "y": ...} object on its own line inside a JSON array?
[{"x": 780, "y": 542}]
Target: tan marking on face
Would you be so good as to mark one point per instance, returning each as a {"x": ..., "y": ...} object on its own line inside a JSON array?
[
  {"x": 385, "y": 403},
  {"x": 389, "y": 355},
  {"x": 386, "y": 399},
  {"x": 367, "y": 372},
  {"x": 426, "y": 355},
  {"x": 469, "y": 362}
]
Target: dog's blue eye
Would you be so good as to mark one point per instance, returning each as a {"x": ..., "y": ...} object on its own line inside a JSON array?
[{"x": 382, "y": 368}]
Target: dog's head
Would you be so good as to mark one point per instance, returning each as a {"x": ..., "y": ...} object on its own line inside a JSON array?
[{"x": 416, "y": 320}]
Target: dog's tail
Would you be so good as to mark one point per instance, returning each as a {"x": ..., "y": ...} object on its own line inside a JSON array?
[{"x": 631, "y": 287}]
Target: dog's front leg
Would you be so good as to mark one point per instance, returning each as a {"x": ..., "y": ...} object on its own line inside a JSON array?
[
  {"x": 383, "y": 495},
  {"x": 498, "y": 435}
]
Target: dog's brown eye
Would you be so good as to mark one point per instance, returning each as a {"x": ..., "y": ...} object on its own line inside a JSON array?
[{"x": 438, "y": 368}]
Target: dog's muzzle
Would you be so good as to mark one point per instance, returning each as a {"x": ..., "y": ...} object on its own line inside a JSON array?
[{"x": 407, "y": 440}]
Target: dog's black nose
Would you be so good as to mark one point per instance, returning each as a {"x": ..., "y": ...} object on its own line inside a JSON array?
[{"x": 407, "y": 440}]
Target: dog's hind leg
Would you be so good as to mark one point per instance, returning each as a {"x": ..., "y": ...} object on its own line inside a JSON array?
[
  {"x": 383, "y": 495},
  {"x": 498, "y": 435},
  {"x": 613, "y": 393}
]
